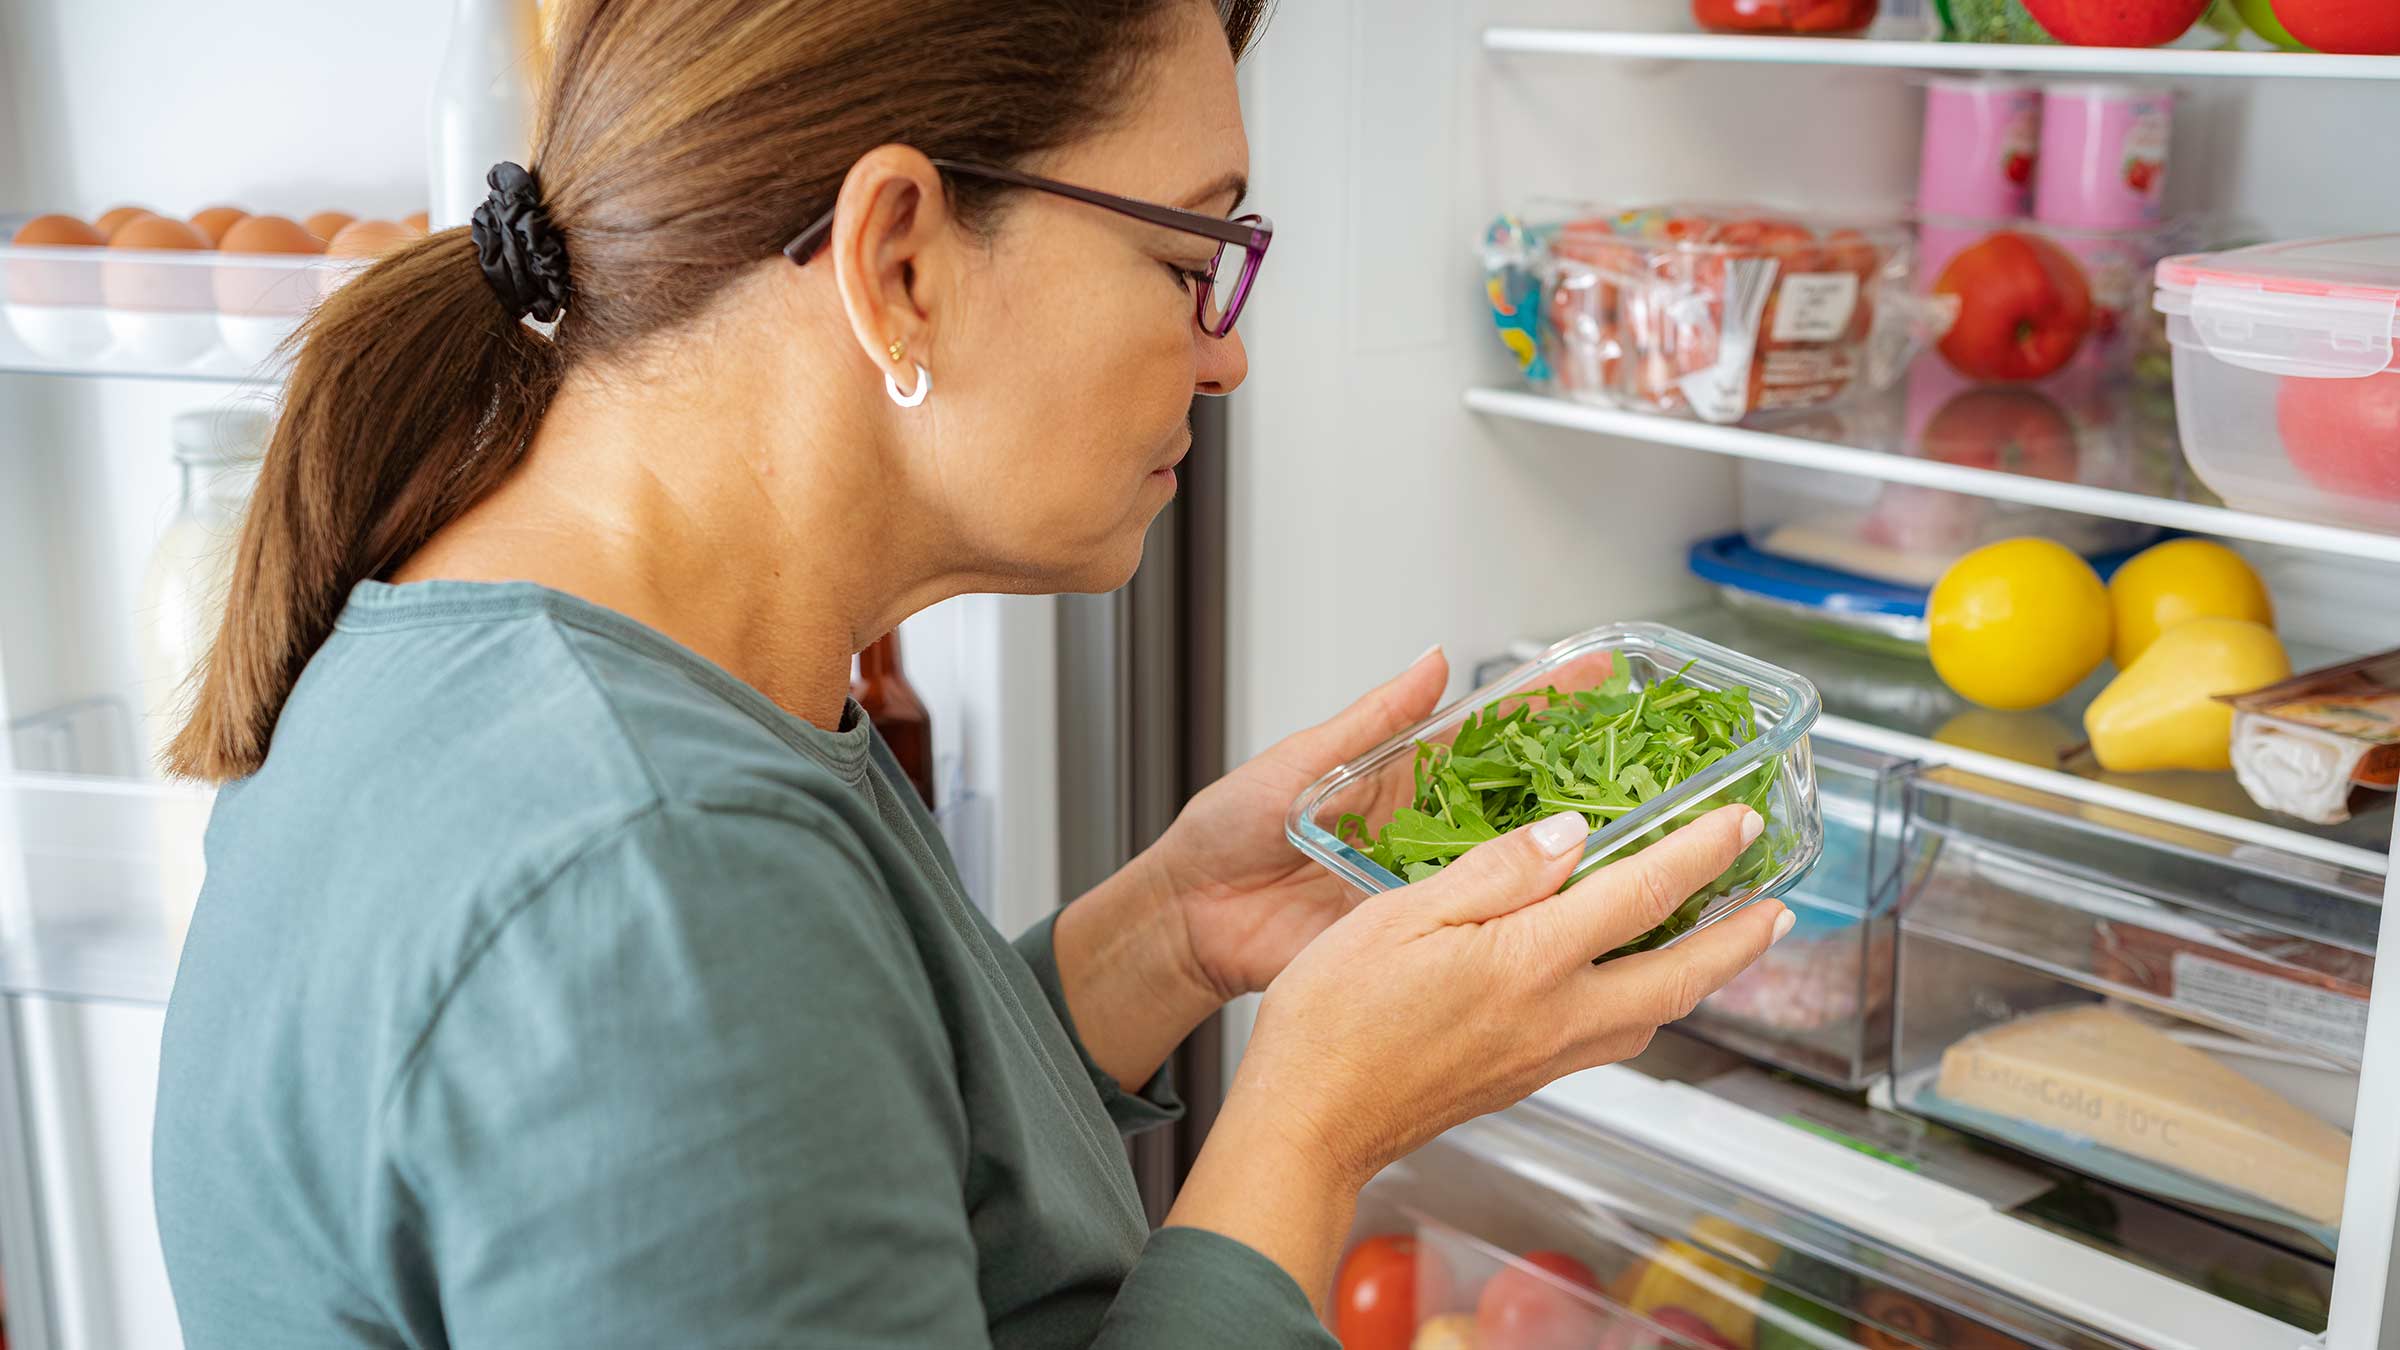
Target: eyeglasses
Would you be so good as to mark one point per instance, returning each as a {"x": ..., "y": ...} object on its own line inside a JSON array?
[{"x": 1241, "y": 242}]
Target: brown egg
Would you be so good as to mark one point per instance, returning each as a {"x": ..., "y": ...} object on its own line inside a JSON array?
[
  {"x": 416, "y": 220},
  {"x": 369, "y": 239},
  {"x": 131, "y": 283},
  {"x": 269, "y": 234},
  {"x": 42, "y": 282},
  {"x": 115, "y": 216},
  {"x": 272, "y": 286},
  {"x": 327, "y": 224},
  {"x": 215, "y": 221},
  {"x": 58, "y": 232}
]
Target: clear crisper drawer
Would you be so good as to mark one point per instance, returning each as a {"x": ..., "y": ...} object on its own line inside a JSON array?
[
  {"x": 1532, "y": 1229},
  {"x": 1819, "y": 1002},
  {"x": 2169, "y": 1012},
  {"x": 1501, "y": 751},
  {"x": 97, "y": 882}
]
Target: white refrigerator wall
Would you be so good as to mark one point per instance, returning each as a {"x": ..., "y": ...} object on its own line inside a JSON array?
[{"x": 290, "y": 107}]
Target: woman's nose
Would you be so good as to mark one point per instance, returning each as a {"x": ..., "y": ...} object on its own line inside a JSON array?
[{"x": 1223, "y": 362}]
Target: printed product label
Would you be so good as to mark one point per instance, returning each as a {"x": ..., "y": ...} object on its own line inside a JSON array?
[
  {"x": 2284, "y": 1008},
  {"x": 1815, "y": 306}
]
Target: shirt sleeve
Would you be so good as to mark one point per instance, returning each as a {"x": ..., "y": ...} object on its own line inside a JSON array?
[
  {"x": 1134, "y": 1112},
  {"x": 696, "y": 1091}
]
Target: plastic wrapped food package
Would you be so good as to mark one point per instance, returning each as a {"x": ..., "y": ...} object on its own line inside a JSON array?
[{"x": 1721, "y": 312}]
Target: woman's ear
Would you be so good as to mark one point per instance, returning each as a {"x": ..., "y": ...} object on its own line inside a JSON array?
[{"x": 890, "y": 247}]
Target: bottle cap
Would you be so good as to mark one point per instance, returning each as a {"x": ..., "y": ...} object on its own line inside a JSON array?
[{"x": 222, "y": 435}]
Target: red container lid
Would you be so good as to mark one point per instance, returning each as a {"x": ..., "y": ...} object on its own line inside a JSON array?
[{"x": 2321, "y": 308}]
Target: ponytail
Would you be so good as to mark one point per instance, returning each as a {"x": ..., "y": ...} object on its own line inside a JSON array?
[{"x": 414, "y": 393}]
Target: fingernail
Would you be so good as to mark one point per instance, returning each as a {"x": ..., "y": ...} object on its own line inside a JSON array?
[
  {"x": 1560, "y": 833},
  {"x": 1783, "y": 924},
  {"x": 1424, "y": 656},
  {"x": 1752, "y": 824}
]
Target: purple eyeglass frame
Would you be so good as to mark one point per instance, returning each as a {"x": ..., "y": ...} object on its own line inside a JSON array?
[{"x": 1252, "y": 232}]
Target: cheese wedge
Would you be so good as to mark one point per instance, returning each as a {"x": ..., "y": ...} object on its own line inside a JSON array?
[{"x": 2113, "y": 1079}]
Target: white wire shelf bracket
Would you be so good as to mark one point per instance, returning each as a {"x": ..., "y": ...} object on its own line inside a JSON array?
[
  {"x": 1907, "y": 55},
  {"x": 1889, "y": 467}
]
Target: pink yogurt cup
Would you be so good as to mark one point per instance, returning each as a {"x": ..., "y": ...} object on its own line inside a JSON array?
[
  {"x": 1982, "y": 139},
  {"x": 2103, "y": 162}
]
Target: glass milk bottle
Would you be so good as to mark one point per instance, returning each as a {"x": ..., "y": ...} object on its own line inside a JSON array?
[{"x": 184, "y": 589}]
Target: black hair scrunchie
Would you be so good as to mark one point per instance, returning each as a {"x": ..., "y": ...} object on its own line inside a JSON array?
[{"x": 521, "y": 253}]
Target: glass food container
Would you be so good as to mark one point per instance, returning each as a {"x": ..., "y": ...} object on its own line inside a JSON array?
[{"x": 1336, "y": 819}]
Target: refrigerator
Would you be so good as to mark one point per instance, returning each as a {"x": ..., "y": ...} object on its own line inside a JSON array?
[
  {"x": 1787, "y": 1168},
  {"x": 1382, "y": 480}
]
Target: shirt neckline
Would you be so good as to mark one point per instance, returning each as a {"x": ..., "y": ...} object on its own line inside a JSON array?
[{"x": 384, "y": 606}]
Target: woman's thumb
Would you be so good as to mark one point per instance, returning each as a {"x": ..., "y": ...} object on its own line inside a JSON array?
[{"x": 1500, "y": 877}]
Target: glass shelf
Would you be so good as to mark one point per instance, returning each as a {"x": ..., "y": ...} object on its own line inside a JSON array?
[
  {"x": 2108, "y": 451},
  {"x": 1908, "y": 53},
  {"x": 1897, "y": 705},
  {"x": 97, "y": 880}
]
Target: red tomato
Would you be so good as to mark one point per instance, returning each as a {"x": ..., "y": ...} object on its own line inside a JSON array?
[
  {"x": 2344, "y": 435},
  {"x": 2024, "y": 308},
  {"x": 1784, "y": 16},
  {"x": 2014, "y": 430},
  {"x": 1521, "y": 1310},
  {"x": 2119, "y": 23},
  {"x": 2359, "y": 27},
  {"x": 1375, "y": 1298}
]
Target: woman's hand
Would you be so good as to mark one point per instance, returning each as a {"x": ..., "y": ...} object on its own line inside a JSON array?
[
  {"x": 1444, "y": 1000},
  {"x": 1247, "y": 899}
]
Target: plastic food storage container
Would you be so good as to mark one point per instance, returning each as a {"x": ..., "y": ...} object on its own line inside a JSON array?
[
  {"x": 1831, "y": 18},
  {"x": 1898, "y": 532},
  {"x": 1819, "y": 1002},
  {"x": 1334, "y": 820},
  {"x": 1825, "y": 602},
  {"x": 1719, "y": 311},
  {"x": 2163, "y": 1009},
  {"x": 2287, "y": 375},
  {"x": 1532, "y": 1228}
]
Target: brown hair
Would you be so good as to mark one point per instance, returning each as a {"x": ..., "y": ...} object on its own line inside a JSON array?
[{"x": 681, "y": 142}]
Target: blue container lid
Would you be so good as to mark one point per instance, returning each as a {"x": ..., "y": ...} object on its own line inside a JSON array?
[{"x": 1728, "y": 560}]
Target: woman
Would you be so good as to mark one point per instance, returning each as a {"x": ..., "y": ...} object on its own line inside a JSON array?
[{"x": 571, "y": 971}]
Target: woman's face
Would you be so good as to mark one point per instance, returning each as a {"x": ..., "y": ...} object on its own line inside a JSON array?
[{"x": 1064, "y": 360}]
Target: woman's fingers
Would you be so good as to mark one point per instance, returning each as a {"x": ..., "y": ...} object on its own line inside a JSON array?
[
  {"x": 1665, "y": 985},
  {"x": 1379, "y": 714},
  {"x": 1506, "y": 874},
  {"x": 1629, "y": 897}
]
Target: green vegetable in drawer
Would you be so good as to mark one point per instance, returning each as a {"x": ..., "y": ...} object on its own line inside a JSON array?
[
  {"x": 1989, "y": 21},
  {"x": 1602, "y": 752}
]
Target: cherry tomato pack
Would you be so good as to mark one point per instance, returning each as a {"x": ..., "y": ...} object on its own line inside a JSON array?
[{"x": 1717, "y": 312}]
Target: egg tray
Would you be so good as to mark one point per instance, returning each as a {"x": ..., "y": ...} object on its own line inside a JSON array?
[{"x": 191, "y": 314}]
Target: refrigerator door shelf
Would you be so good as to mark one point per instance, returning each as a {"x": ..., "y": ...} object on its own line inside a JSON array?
[{"x": 97, "y": 881}]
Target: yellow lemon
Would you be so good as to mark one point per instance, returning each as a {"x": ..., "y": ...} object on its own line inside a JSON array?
[
  {"x": 2017, "y": 623},
  {"x": 2178, "y": 580}
]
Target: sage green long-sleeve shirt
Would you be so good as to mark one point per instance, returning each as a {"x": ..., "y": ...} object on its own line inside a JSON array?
[{"x": 553, "y": 990}]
